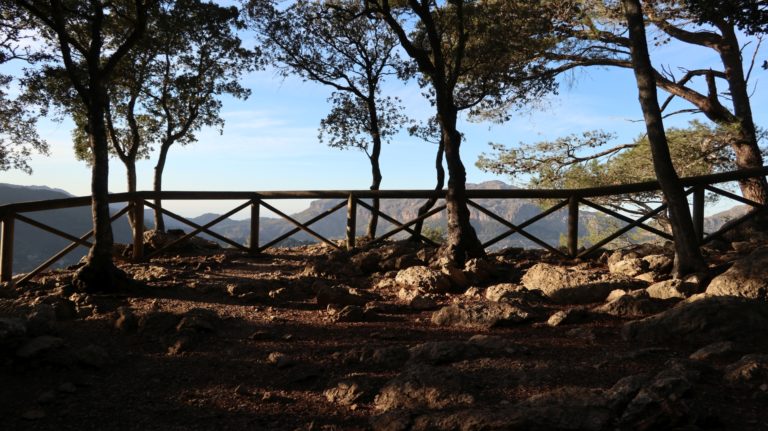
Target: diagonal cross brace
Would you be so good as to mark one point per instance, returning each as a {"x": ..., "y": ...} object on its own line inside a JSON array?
[
  {"x": 203, "y": 229},
  {"x": 308, "y": 223},
  {"x": 518, "y": 229},
  {"x": 200, "y": 229},
  {"x": 299, "y": 225},
  {"x": 396, "y": 222}
]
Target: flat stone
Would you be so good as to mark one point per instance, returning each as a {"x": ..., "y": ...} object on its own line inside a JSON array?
[
  {"x": 574, "y": 286},
  {"x": 481, "y": 315},
  {"x": 424, "y": 279},
  {"x": 750, "y": 370},
  {"x": 713, "y": 350},
  {"x": 422, "y": 387}
]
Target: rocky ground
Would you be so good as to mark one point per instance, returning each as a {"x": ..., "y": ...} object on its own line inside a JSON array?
[{"x": 390, "y": 338}]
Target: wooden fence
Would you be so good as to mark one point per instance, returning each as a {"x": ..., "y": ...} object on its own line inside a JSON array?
[{"x": 572, "y": 199}]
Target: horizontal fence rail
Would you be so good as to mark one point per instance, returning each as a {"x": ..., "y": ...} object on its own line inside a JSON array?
[{"x": 572, "y": 199}]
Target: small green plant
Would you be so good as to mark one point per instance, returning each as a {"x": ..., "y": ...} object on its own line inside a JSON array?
[{"x": 434, "y": 233}]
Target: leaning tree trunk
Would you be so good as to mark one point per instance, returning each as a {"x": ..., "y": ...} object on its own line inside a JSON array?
[
  {"x": 99, "y": 272},
  {"x": 157, "y": 187},
  {"x": 461, "y": 242},
  {"x": 745, "y": 147},
  {"x": 375, "y": 168},
  {"x": 687, "y": 255},
  {"x": 438, "y": 186}
]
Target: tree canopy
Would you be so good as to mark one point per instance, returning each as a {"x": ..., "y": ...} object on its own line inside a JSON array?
[{"x": 18, "y": 116}]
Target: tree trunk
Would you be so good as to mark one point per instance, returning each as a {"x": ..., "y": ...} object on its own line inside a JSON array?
[
  {"x": 461, "y": 242},
  {"x": 688, "y": 258},
  {"x": 130, "y": 169},
  {"x": 746, "y": 146},
  {"x": 438, "y": 186},
  {"x": 375, "y": 168},
  {"x": 99, "y": 272},
  {"x": 157, "y": 186}
]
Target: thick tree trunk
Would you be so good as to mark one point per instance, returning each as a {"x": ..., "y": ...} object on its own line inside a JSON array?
[
  {"x": 438, "y": 186},
  {"x": 687, "y": 255},
  {"x": 746, "y": 146},
  {"x": 99, "y": 272},
  {"x": 375, "y": 168},
  {"x": 461, "y": 242},
  {"x": 157, "y": 186}
]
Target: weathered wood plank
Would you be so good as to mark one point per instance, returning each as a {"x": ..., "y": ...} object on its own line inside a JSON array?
[
  {"x": 52, "y": 230},
  {"x": 405, "y": 226},
  {"x": 53, "y": 259},
  {"x": 300, "y": 225},
  {"x": 629, "y": 220},
  {"x": 194, "y": 225},
  {"x": 396, "y": 223},
  {"x": 526, "y": 223},
  {"x": 627, "y": 228},
  {"x": 307, "y": 223},
  {"x": 198, "y": 228},
  {"x": 515, "y": 228},
  {"x": 253, "y": 238}
]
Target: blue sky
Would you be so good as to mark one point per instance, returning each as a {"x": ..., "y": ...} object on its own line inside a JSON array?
[{"x": 270, "y": 141}]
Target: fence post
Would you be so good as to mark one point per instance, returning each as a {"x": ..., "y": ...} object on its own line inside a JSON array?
[
  {"x": 351, "y": 221},
  {"x": 6, "y": 250},
  {"x": 253, "y": 241},
  {"x": 698, "y": 213},
  {"x": 573, "y": 226},
  {"x": 138, "y": 230}
]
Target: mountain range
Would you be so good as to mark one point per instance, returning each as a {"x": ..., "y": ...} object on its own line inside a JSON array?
[{"x": 33, "y": 246}]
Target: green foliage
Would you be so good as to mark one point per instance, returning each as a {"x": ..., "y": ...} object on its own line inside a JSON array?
[
  {"x": 750, "y": 16},
  {"x": 168, "y": 87},
  {"x": 18, "y": 116},
  {"x": 587, "y": 160},
  {"x": 335, "y": 44},
  {"x": 434, "y": 233},
  {"x": 577, "y": 161}
]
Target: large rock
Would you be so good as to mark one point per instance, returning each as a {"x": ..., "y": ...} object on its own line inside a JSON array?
[
  {"x": 575, "y": 286},
  {"x": 348, "y": 391},
  {"x": 424, "y": 278},
  {"x": 505, "y": 292},
  {"x": 659, "y": 263},
  {"x": 705, "y": 320},
  {"x": 480, "y": 315},
  {"x": 423, "y": 387},
  {"x": 674, "y": 288},
  {"x": 629, "y": 267},
  {"x": 748, "y": 277},
  {"x": 751, "y": 370},
  {"x": 446, "y": 352},
  {"x": 629, "y": 306}
]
